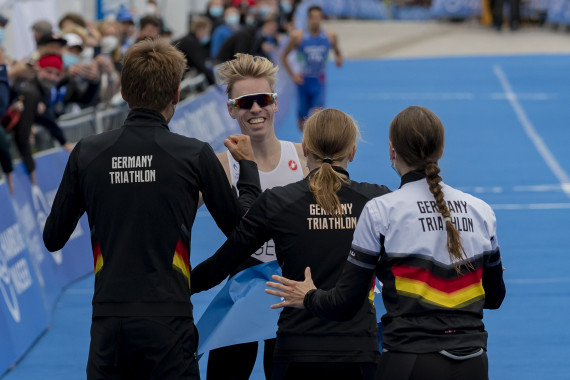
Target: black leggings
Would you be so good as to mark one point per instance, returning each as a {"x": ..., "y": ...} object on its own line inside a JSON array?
[
  {"x": 5, "y": 157},
  {"x": 236, "y": 362},
  {"x": 400, "y": 366},
  {"x": 323, "y": 371}
]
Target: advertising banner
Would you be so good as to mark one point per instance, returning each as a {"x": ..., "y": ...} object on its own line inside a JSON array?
[
  {"x": 455, "y": 8},
  {"x": 31, "y": 278}
]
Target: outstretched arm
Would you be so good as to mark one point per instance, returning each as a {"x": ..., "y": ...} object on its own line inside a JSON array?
[
  {"x": 343, "y": 301},
  {"x": 252, "y": 231},
  {"x": 219, "y": 197}
]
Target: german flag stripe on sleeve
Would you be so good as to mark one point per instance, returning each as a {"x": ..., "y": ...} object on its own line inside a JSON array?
[
  {"x": 180, "y": 262},
  {"x": 97, "y": 257},
  {"x": 450, "y": 293}
]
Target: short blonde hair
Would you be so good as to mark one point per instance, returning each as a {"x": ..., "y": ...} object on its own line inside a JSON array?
[
  {"x": 247, "y": 66},
  {"x": 152, "y": 72}
]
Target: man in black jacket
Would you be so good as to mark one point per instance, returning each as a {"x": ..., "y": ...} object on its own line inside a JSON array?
[
  {"x": 195, "y": 47},
  {"x": 257, "y": 41},
  {"x": 140, "y": 186}
]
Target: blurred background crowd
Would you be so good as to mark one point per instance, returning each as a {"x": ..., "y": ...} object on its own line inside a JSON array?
[{"x": 75, "y": 67}]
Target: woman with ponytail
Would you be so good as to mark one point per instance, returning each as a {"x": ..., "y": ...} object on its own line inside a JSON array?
[
  {"x": 312, "y": 223},
  {"x": 435, "y": 250}
]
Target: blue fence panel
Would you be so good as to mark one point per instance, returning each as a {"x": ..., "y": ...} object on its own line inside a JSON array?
[
  {"x": 455, "y": 8},
  {"x": 31, "y": 278},
  {"x": 359, "y": 9},
  {"x": 23, "y": 314},
  {"x": 558, "y": 11}
]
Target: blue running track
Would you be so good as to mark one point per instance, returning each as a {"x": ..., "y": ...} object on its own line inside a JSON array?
[{"x": 507, "y": 125}]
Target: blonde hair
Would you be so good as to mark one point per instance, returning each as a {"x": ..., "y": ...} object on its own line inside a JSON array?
[
  {"x": 247, "y": 66},
  {"x": 329, "y": 133},
  {"x": 417, "y": 136},
  {"x": 152, "y": 72}
]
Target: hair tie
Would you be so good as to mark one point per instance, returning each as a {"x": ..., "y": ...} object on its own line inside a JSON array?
[
  {"x": 328, "y": 160},
  {"x": 448, "y": 219}
]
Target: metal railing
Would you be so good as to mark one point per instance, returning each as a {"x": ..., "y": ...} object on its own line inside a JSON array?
[{"x": 103, "y": 117}]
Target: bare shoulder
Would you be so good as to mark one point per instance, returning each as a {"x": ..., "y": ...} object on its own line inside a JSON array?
[
  {"x": 302, "y": 158},
  {"x": 223, "y": 158}
]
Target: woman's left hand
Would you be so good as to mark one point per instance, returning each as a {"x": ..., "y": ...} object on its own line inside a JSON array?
[{"x": 291, "y": 292}]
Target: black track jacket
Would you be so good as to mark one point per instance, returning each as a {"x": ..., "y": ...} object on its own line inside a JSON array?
[
  {"x": 305, "y": 236},
  {"x": 139, "y": 186}
]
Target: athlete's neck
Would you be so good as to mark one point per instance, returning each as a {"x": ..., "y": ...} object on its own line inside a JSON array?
[{"x": 267, "y": 153}]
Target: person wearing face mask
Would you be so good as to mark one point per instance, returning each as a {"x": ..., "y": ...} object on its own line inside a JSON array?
[
  {"x": 110, "y": 43},
  {"x": 215, "y": 12},
  {"x": 436, "y": 251},
  {"x": 224, "y": 31},
  {"x": 194, "y": 46},
  {"x": 139, "y": 186},
  {"x": 81, "y": 81},
  {"x": 260, "y": 40},
  {"x": 36, "y": 98}
]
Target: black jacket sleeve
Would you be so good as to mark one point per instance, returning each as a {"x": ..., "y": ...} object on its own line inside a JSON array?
[
  {"x": 248, "y": 184},
  {"x": 493, "y": 283},
  {"x": 252, "y": 231},
  {"x": 218, "y": 195},
  {"x": 342, "y": 302},
  {"x": 67, "y": 208}
]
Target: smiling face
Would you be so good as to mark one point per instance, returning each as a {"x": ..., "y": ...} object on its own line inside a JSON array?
[{"x": 256, "y": 122}]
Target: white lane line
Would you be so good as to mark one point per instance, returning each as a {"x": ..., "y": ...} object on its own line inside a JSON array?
[
  {"x": 554, "y": 280},
  {"x": 531, "y": 132},
  {"x": 530, "y": 206},
  {"x": 495, "y": 96}
]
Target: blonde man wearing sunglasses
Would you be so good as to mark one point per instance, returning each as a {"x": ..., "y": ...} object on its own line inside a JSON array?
[{"x": 252, "y": 103}]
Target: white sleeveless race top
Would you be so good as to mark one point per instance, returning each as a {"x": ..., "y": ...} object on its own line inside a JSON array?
[{"x": 287, "y": 171}]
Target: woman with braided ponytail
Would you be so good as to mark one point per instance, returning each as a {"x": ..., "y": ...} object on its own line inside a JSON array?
[
  {"x": 435, "y": 250},
  {"x": 311, "y": 222}
]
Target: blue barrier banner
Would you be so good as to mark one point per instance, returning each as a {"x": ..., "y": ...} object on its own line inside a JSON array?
[
  {"x": 538, "y": 5},
  {"x": 205, "y": 118},
  {"x": 358, "y": 9},
  {"x": 558, "y": 12},
  {"x": 455, "y": 8},
  {"x": 23, "y": 313},
  {"x": 31, "y": 278}
]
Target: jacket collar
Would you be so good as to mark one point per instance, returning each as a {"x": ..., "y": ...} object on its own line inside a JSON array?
[
  {"x": 142, "y": 117},
  {"x": 335, "y": 168},
  {"x": 412, "y": 176}
]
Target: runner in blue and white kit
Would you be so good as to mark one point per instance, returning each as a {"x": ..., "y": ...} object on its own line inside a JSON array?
[{"x": 312, "y": 46}]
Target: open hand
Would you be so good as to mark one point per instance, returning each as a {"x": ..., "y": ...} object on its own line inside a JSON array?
[{"x": 291, "y": 292}]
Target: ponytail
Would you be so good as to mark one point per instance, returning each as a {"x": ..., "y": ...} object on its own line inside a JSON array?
[
  {"x": 454, "y": 246},
  {"x": 330, "y": 135},
  {"x": 325, "y": 183}
]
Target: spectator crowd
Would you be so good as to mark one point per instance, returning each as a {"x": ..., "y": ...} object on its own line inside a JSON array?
[{"x": 77, "y": 63}]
